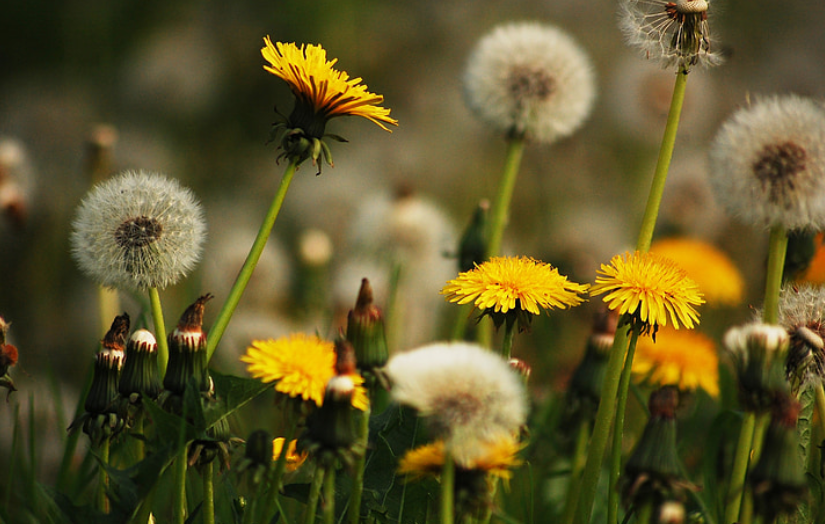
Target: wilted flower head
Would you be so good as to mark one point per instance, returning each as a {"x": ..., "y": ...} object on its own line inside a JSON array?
[
  {"x": 802, "y": 314},
  {"x": 321, "y": 92},
  {"x": 530, "y": 80},
  {"x": 138, "y": 231},
  {"x": 650, "y": 288},
  {"x": 674, "y": 32},
  {"x": 758, "y": 352},
  {"x": 768, "y": 163},
  {"x": 685, "y": 359},
  {"x": 469, "y": 396}
]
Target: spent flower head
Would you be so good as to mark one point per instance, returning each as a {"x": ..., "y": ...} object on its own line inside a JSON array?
[
  {"x": 802, "y": 314},
  {"x": 520, "y": 286},
  {"x": 321, "y": 92},
  {"x": 768, "y": 163},
  {"x": 676, "y": 33},
  {"x": 530, "y": 80},
  {"x": 650, "y": 289},
  {"x": 138, "y": 231},
  {"x": 685, "y": 359},
  {"x": 468, "y": 396}
]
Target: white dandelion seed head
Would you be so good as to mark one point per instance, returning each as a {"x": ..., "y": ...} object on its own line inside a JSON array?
[
  {"x": 801, "y": 304},
  {"x": 532, "y": 80},
  {"x": 137, "y": 231},
  {"x": 468, "y": 395},
  {"x": 802, "y": 313},
  {"x": 676, "y": 34},
  {"x": 768, "y": 163}
]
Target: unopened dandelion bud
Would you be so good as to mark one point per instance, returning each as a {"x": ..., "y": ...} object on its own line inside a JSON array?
[
  {"x": 187, "y": 351},
  {"x": 365, "y": 331},
  {"x": 671, "y": 512},
  {"x": 332, "y": 426},
  {"x": 652, "y": 471},
  {"x": 778, "y": 478},
  {"x": 521, "y": 367},
  {"x": 139, "y": 378},
  {"x": 759, "y": 356},
  {"x": 108, "y": 363},
  {"x": 472, "y": 248}
]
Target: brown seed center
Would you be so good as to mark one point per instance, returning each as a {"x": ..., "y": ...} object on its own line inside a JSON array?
[
  {"x": 138, "y": 232},
  {"x": 777, "y": 168},
  {"x": 527, "y": 83},
  {"x": 455, "y": 410}
]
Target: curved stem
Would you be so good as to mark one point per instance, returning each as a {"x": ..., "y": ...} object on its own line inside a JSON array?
[
  {"x": 208, "y": 493},
  {"x": 601, "y": 428},
  {"x": 234, "y": 297},
  {"x": 447, "y": 489},
  {"x": 657, "y": 187},
  {"x": 618, "y": 431},
  {"x": 777, "y": 247},
  {"x": 160, "y": 330},
  {"x": 736, "y": 489},
  {"x": 501, "y": 207}
]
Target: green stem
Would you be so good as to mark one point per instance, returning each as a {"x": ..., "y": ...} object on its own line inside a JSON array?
[
  {"x": 447, "y": 489},
  {"x": 576, "y": 467},
  {"x": 644, "y": 514},
  {"x": 657, "y": 187},
  {"x": 618, "y": 431},
  {"x": 820, "y": 405},
  {"x": 314, "y": 493},
  {"x": 103, "y": 476},
  {"x": 501, "y": 208},
  {"x": 329, "y": 496},
  {"x": 208, "y": 493},
  {"x": 601, "y": 428},
  {"x": 179, "y": 515},
  {"x": 358, "y": 485},
  {"x": 160, "y": 330},
  {"x": 740, "y": 468},
  {"x": 234, "y": 297},
  {"x": 509, "y": 336},
  {"x": 777, "y": 247}
]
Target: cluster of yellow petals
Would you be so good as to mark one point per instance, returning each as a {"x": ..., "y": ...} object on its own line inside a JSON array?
[
  {"x": 502, "y": 282},
  {"x": 301, "y": 364},
  {"x": 713, "y": 271},
  {"x": 685, "y": 359},
  {"x": 294, "y": 460},
  {"x": 313, "y": 79},
  {"x": 650, "y": 286},
  {"x": 498, "y": 459}
]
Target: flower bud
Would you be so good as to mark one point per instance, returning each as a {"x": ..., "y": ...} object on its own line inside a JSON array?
[
  {"x": 187, "y": 351},
  {"x": 258, "y": 455},
  {"x": 365, "y": 330},
  {"x": 140, "y": 370},
  {"x": 759, "y": 354}
]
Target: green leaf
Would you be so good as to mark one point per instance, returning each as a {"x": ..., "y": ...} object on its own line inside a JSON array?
[{"x": 232, "y": 393}]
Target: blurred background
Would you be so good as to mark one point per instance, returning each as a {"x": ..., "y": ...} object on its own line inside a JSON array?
[{"x": 179, "y": 88}]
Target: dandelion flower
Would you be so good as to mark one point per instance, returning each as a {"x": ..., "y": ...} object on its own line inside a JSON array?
[
  {"x": 519, "y": 284},
  {"x": 497, "y": 458},
  {"x": 138, "y": 231},
  {"x": 650, "y": 288},
  {"x": 294, "y": 460},
  {"x": 718, "y": 278},
  {"x": 321, "y": 92},
  {"x": 301, "y": 364},
  {"x": 768, "y": 163},
  {"x": 530, "y": 80},
  {"x": 469, "y": 396},
  {"x": 685, "y": 359},
  {"x": 676, "y": 33}
]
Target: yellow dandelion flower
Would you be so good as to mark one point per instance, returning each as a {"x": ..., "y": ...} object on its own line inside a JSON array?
[
  {"x": 301, "y": 364},
  {"x": 715, "y": 274},
  {"x": 649, "y": 287},
  {"x": 504, "y": 284},
  {"x": 360, "y": 398},
  {"x": 497, "y": 458},
  {"x": 685, "y": 359},
  {"x": 294, "y": 460},
  {"x": 317, "y": 85}
]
